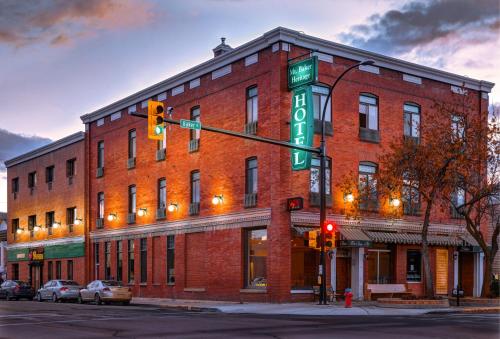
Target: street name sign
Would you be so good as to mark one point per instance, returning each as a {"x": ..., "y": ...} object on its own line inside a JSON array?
[
  {"x": 303, "y": 73},
  {"x": 191, "y": 124},
  {"x": 302, "y": 127}
]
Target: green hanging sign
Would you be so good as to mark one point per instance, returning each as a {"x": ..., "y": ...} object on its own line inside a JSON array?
[
  {"x": 302, "y": 127},
  {"x": 302, "y": 73}
]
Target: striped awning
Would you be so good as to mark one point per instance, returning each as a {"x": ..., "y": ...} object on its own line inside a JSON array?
[
  {"x": 300, "y": 230},
  {"x": 350, "y": 233},
  {"x": 413, "y": 238}
]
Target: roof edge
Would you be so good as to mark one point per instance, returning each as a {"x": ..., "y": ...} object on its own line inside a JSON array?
[{"x": 53, "y": 146}]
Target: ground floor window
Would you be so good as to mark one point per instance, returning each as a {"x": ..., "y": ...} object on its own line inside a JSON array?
[
  {"x": 70, "y": 270},
  {"x": 130, "y": 265},
  {"x": 144, "y": 260},
  {"x": 15, "y": 271},
  {"x": 96, "y": 260},
  {"x": 305, "y": 260},
  {"x": 119, "y": 260},
  {"x": 107, "y": 260},
  {"x": 380, "y": 266},
  {"x": 49, "y": 270},
  {"x": 171, "y": 259},
  {"x": 58, "y": 270},
  {"x": 413, "y": 265},
  {"x": 255, "y": 258}
]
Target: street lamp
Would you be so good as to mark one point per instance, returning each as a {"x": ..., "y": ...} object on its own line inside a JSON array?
[
  {"x": 322, "y": 170},
  {"x": 217, "y": 199}
]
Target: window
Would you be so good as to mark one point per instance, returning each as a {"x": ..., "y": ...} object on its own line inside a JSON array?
[
  {"x": 162, "y": 193},
  {"x": 315, "y": 169},
  {"x": 411, "y": 196},
  {"x": 49, "y": 271},
  {"x": 32, "y": 180},
  {"x": 132, "y": 199},
  {"x": 107, "y": 260},
  {"x": 100, "y": 205},
  {"x": 70, "y": 218},
  {"x": 195, "y": 116},
  {"x": 49, "y": 174},
  {"x": 100, "y": 154},
  {"x": 49, "y": 221},
  {"x": 170, "y": 259},
  {"x": 31, "y": 224},
  {"x": 132, "y": 144},
  {"x": 252, "y": 105},
  {"x": 380, "y": 266},
  {"x": 457, "y": 126},
  {"x": 368, "y": 186},
  {"x": 319, "y": 101},
  {"x": 15, "y": 271},
  {"x": 69, "y": 272},
  {"x": 96, "y": 260},
  {"x": 58, "y": 270},
  {"x": 70, "y": 167},
  {"x": 15, "y": 226},
  {"x": 119, "y": 260},
  {"x": 411, "y": 120},
  {"x": 144, "y": 260},
  {"x": 130, "y": 265},
  {"x": 251, "y": 176},
  {"x": 195, "y": 187},
  {"x": 15, "y": 185},
  {"x": 368, "y": 112},
  {"x": 255, "y": 258},
  {"x": 413, "y": 265},
  {"x": 458, "y": 199}
]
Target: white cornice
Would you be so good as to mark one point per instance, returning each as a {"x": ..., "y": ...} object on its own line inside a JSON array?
[
  {"x": 53, "y": 146},
  {"x": 250, "y": 218},
  {"x": 296, "y": 38},
  {"x": 51, "y": 242}
]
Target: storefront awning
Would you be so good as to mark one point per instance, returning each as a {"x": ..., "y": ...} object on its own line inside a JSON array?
[
  {"x": 413, "y": 238},
  {"x": 349, "y": 233},
  {"x": 300, "y": 230}
]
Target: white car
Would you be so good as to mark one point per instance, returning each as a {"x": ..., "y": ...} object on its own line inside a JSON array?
[{"x": 105, "y": 291}]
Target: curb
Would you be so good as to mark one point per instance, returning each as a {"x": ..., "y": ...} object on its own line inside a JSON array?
[{"x": 180, "y": 307}]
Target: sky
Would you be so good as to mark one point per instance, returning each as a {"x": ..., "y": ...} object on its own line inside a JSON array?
[{"x": 60, "y": 59}]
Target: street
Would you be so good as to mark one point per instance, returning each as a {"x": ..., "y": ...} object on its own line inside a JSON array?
[{"x": 29, "y": 319}]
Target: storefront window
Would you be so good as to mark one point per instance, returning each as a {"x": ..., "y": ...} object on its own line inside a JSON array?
[
  {"x": 305, "y": 260},
  {"x": 413, "y": 265},
  {"x": 256, "y": 257},
  {"x": 380, "y": 266}
]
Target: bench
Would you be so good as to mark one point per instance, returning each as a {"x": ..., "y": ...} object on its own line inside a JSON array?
[{"x": 389, "y": 290}]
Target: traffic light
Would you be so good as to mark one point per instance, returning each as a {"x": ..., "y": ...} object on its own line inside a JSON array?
[
  {"x": 312, "y": 239},
  {"x": 155, "y": 120},
  {"x": 330, "y": 228}
]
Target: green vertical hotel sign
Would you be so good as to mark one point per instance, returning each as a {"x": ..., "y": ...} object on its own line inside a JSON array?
[
  {"x": 302, "y": 127},
  {"x": 302, "y": 73}
]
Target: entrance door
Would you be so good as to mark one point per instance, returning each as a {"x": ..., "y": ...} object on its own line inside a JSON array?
[
  {"x": 466, "y": 272},
  {"x": 343, "y": 273},
  {"x": 36, "y": 276}
]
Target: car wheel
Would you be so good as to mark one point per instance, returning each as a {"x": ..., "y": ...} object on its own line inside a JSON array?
[
  {"x": 97, "y": 299},
  {"x": 39, "y": 297},
  {"x": 54, "y": 298},
  {"x": 7, "y": 297},
  {"x": 80, "y": 299}
]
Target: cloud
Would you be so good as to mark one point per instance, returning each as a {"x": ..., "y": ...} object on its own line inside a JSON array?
[
  {"x": 416, "y": 24},
  {"x": 12, "y": 145},
  {"x": 60, "y": 21}
]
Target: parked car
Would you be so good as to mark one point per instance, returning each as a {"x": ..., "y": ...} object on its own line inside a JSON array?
[
  {"x": 58, "y": 290},
  {"x": 16, "y": 289},
  {"x": 105, "y": 291}
]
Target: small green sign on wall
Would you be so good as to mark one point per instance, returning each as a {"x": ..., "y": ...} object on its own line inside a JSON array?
[
  {"x": 302, "y": 127},
  {"x": 302, "y": 73}
]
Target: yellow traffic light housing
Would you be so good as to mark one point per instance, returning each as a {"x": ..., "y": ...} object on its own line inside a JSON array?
[{"x": 156, "y": 113}]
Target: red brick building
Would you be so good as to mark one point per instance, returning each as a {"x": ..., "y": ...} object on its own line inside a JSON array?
[{"x": 46, "y": 207}]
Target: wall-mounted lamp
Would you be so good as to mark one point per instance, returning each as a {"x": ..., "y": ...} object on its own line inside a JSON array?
[
  {"x": 394, "y": 202},
  {"x": 37, "y": 228},
  {"x": 112, "y": 216},
  {"x": 19, "y": 230},
  {"x": 78, "y": 221},
  {"x": 142, "y": 212},
  {"x": 349, "y": 197},
  {"x": 56, "y": 224},
  {"x": 217, "y": 199},
  {"x": 172, "y": 207}
]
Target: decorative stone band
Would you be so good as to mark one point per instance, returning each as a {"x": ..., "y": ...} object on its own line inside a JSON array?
[
  {"x": 257, "y": 217},
  {"x": 387, "y": 231},
  {"x": 44, "y": 243}
]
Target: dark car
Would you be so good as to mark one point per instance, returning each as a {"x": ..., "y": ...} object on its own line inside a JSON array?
[{"x": 16, "y": 289}]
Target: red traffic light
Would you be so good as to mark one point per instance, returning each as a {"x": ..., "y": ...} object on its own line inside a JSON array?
[{"x": 330, "y": 226}]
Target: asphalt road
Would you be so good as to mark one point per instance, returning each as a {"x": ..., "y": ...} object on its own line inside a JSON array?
[{"x": 33, "y": 320}]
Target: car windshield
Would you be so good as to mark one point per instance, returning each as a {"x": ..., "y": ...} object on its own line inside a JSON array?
[
  {"x": 111, "y": 283},
  {"x": 68, "y": 282},
  {"x": 22, "y": 283}
]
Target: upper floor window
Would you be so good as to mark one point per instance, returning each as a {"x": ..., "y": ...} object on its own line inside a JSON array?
[
  {"x": 195, "y": 187},
  {"x": 100, "y": 154},
  {"x": 320, "y": 94},
  {"x": 195, "y": 116},
  {"x": 70, "y": 167},
  {"x": 315, "y": 169},
  {"x": 252, "y": 104},
  {"x": 132, "y": 201},
  {"x": 410, "y": 196},
  {"x": 411, "y": 120},
  {"x": 251, "y": 176},
  {"x": 458, "y": 199},
  {"x": 32, "y": 179},
  {"x": 49, "y": 220},
  {"x": 368, "y": 111},
  {"x": 49, "y": 174},
  {"x": 457, "y": 126},
  {"x": 100, "y": 205},
  {"x": 15, "y": 185},
  {"x": 162, "y": 193},
  {"x": 15, "y": 226},
  {"x": 70, "y": 217},
  {"x": 132, "y": 144},
  {"x": 368, "y": 185},
  {"x": 31, "y": 224}
]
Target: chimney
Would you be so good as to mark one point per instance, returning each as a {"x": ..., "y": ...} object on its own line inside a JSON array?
[{"x": 222, "y": 48}]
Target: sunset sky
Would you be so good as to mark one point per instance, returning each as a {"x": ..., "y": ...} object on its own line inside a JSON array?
[{"x": 60, "y": 59}]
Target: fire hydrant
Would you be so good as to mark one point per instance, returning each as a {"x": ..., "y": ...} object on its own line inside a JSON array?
[{"x": 348, "y": 298}]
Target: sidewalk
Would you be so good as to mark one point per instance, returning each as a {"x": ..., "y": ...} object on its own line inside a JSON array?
[{"x": 359, "y": 308}]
